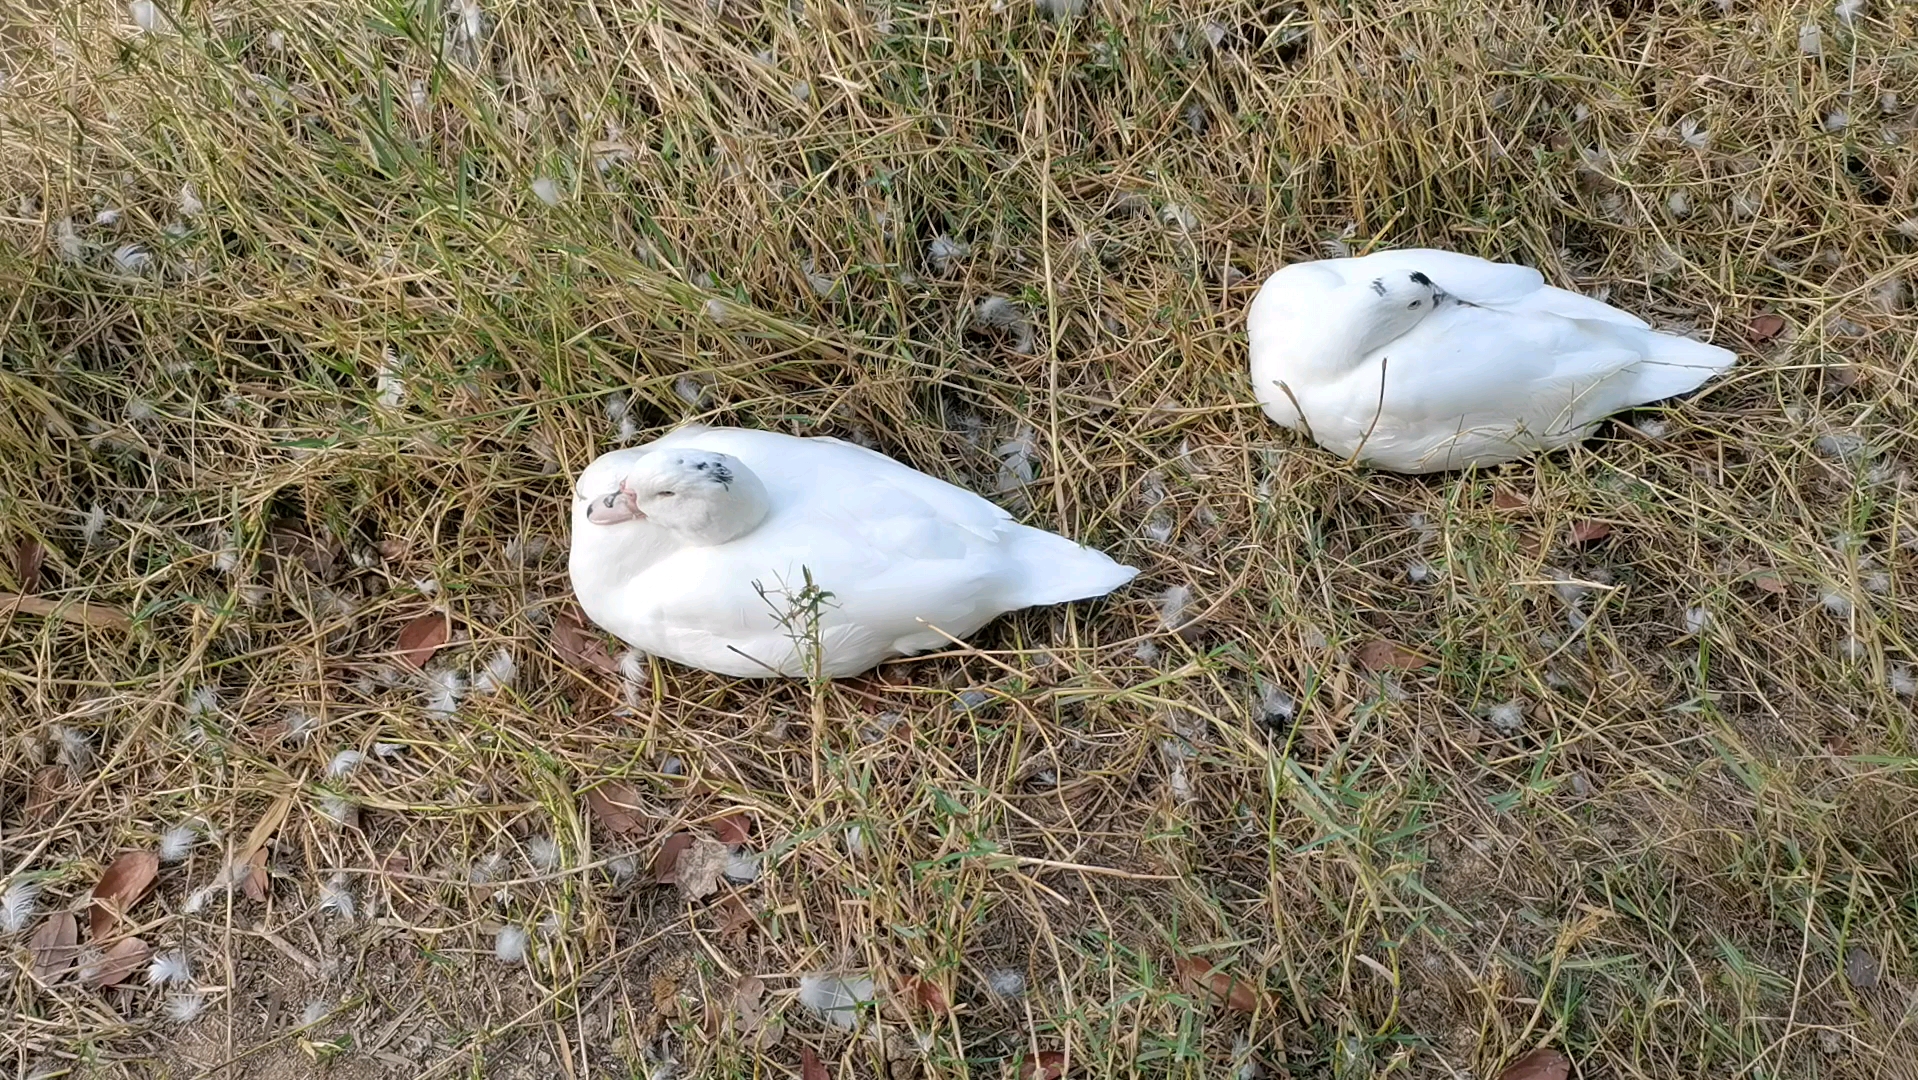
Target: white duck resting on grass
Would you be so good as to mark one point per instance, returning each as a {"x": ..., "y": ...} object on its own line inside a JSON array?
[
  {"x": 1420, "y": 361},
  {"x": 699, "y": 547}
]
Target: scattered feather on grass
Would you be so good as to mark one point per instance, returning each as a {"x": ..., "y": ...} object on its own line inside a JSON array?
[
  {"x": 184, "y": 1008},
  {"x": 944, "y": 254},
  {"x": 18, "y": 905},
  {"x": 1173, "y": 607},
  {"x": 444, "y": 689},
  {"x": 177, "y": 843},
  {"x": 1508, "y": 718},
  {"x": 336, "y": 898},
  {"x": 344, "y": 763},
  {"x": 543, "y": 852},
  {"x": 1007, "y": 983},
  {"x": 1901, "y": 681},
  {"x": 509, "y": 945},
  {"x": 742, "y": 867},
  {"x": 836, "y": 998},
  {"x": 202, "y": 701},
  {"x": 170, "y": 968},
  {"x": 93, "y": 528},
  {"x": 498, "y": 673}
]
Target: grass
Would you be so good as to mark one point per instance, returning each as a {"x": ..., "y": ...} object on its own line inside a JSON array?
[{"x": 310, "y": 311}]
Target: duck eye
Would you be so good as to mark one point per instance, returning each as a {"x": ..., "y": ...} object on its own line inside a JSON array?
[
  {"x": 665, "y": 494},
  {"x": 609, "y": 500},
  {"x": 1413, "y": 304}
]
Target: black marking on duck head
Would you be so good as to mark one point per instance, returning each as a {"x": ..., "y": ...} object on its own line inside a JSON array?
[
  {"x": 717, "y": 471},
  {"x": 1421, "y": 279},
  {"x": 1378, "y": 286}
]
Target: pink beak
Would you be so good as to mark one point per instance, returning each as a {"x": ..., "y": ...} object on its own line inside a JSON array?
[{"x": 621, "y": 505}]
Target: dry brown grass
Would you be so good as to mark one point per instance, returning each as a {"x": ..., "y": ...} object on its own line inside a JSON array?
[{"x": 1690, "y": 856}]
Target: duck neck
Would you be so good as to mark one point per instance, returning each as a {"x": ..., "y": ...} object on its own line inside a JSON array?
[
  {"x": 605, "y": 558},
  {"x": 1307, "y": 347}
]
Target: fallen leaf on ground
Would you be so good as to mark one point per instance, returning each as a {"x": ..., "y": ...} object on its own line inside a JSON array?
[
  {"x": 810, "y": 1067},
  {"x": 1237, "y": 994},
  {"x": 666, "y": 863},
  {"x": 734, "y": 919},
  {"x": 44, "y": 796},
  {"x": 318, "y": 554},
  {"x": 98, "y": 616},
  {"x": 123, "y": 959},
  {"x": 1540, "y": 1064},
  {"x": 254, "y": 882},
  {"x": 1584, "y": 532},
  {"x": 422, "y": 637},
  {"x": 54, "y": 945},
  {"x": 390, "y": 549},
  {"x": 1771, "y": 583},
  {"x": 666, "y": 995},
  {"x": 734, "y": 828},
  {"x": 616, "y": 804},
  {"x": 1383, "y": 655},
  {"x": 581, "y": 649},
  {"x": 927, "y": 994},
  {"x": 1506, "y": 500},
  {"x": 1046, "y": 1065},
  {"x": 749, "y": 1013},
  {"x": 699, "y": 867},
  {"x": 124, "y": 884},
  {"x": 28, "y": 555},
  {"x": 1766, "y": 327}
]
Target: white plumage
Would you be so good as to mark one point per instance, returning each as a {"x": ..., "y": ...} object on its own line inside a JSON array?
[
  {"x": 696, "y": 546},
  {"x": 1421, "y": 361}
]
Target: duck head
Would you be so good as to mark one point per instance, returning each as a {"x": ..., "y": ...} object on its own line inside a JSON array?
[
  {"x": 695, "y": 497},
  {"x": 1392, "y": 304}
]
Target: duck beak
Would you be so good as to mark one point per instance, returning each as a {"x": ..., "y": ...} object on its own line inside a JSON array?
[{"x": 614, "y": 507}]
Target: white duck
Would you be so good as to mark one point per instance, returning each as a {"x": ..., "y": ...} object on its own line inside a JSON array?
[
  {"x": 696, "y": 546},
  {"x": 1421, "y": 361}
]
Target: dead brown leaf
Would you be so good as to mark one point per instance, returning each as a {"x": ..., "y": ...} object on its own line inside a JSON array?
[
  {"x": 1221, "y": 986},
  {"x": 749, "y": 1013},
  {"x": 699, "y": 867},
  {"x": 666, "y": 863},
  {"x": 318, "y": 553},
  {"x": 733, "y": 829},
  {"x": 616, "y": 804},
  {"x": 1045, "y": 1065},
  {"x": 1584, "y": 532},
  {"x": 581, "y": 649},
  {"x": 666, "y": 996},
  {"x": 54, "y": 945},
  {"x": 1765, "y": 327},
  {"x": 98, "y": 616},
  {"x": 28, "y": 556},
  {"x": 1507, "y": 500},
  {"x": 734, "y": 919},
  {"x": 391, "y": 549},
  {"x": 927, "y": 994},
  {"x": 1383, "y": 655},
  {"x": 255, "y": 883},
  {"x": 43, "y": 797},
  {"x": 122, "y": 959},
  {"x": 1771, "y": 583},
  {"x": 124, "y": 884},
  {"x": 422, "y": 637},
  {"x": 810, "y": 1067},
  {"x": 1540, "y": 1064}
]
